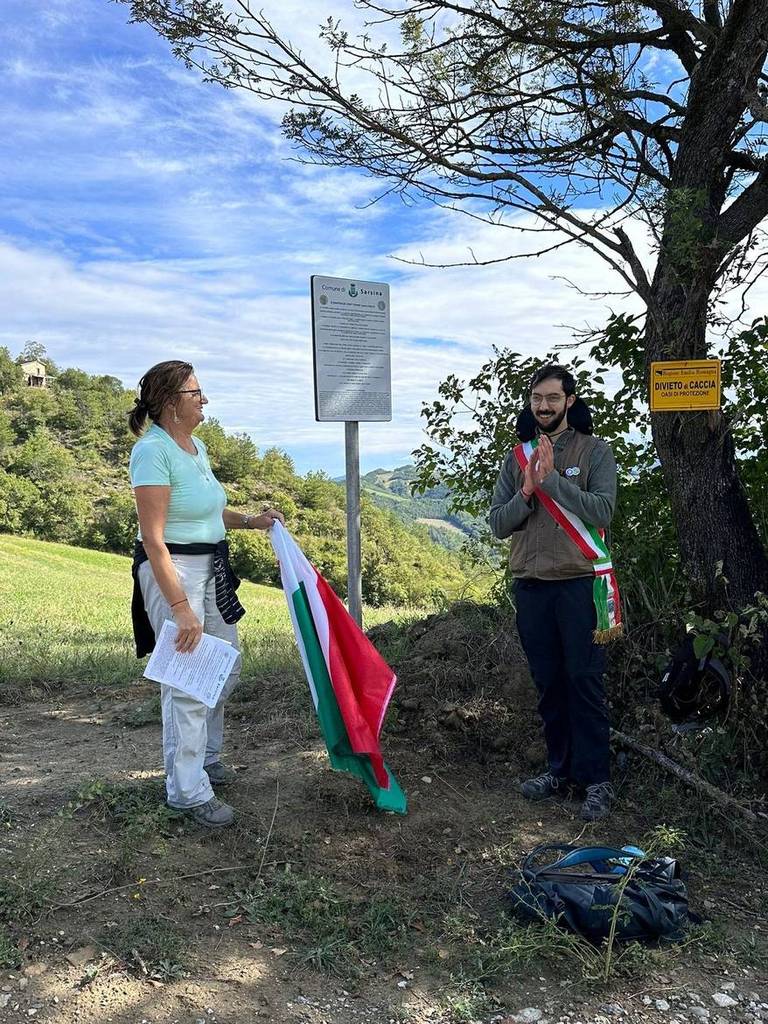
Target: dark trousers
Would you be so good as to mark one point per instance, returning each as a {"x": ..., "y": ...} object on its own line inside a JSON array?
[{"x": 555, "y": 620}]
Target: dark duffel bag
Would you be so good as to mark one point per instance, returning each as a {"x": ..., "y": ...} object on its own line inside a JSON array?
[{"x": 580, "y": 887}]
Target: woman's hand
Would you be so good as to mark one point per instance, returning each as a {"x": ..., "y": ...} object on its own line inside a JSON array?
[
  {"x": 190, "y": 628},
  {"x": 266, "y": 519}
]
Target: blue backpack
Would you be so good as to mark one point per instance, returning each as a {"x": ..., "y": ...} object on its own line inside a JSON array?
[{"x": 579, "y": 890}]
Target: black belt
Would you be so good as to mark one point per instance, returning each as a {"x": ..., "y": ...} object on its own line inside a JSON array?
[{"x": 225, "y": 581}]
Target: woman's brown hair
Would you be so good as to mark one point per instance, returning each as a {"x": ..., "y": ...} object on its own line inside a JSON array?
[{"x": 157, "y": 387}]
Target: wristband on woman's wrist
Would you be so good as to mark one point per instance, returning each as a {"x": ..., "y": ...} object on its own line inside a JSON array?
[
  {"x": 246, "y": 521},
  {"x": 182, "y": 601}
]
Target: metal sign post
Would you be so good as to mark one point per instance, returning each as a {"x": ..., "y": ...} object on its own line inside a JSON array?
[
  {"x": 353, "y": 384},
  {"x": 354, "y": 561}
]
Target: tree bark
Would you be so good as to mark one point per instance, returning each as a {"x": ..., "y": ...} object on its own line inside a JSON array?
[
  {"x": 696, "y": 450},
  {"x": 698, "y": 461}
]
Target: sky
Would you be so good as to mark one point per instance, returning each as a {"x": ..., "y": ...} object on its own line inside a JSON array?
[{"x": 145, "y": 215}]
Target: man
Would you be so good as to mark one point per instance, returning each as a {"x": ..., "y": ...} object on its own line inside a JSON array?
[{"x": 554, "y": 497}]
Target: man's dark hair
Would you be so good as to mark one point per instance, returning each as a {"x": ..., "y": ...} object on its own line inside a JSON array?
[{"x": 554, "y": 370}]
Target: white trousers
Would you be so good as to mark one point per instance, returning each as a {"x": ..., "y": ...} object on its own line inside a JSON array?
[{"x": 193, "y": 734}]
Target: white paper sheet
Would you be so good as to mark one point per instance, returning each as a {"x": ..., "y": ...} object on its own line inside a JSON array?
[{"x": 201, "y": 674}]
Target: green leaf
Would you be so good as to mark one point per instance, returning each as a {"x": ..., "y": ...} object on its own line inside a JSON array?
[{"x": 702, "y": 645}]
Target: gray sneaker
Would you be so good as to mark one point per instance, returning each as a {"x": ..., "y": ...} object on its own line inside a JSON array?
[
  {"x": 219, "y": 774},
  {"x": 212, "y": 814},
  {"x": 543, "y": 786},
  {"x": 597, "y": 804}
]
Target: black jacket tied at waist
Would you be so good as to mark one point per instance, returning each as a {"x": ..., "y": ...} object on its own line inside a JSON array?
[{"x": 225, "y": 580}]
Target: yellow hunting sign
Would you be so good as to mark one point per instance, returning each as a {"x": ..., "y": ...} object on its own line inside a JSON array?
[{"x": 685, "y": 386}]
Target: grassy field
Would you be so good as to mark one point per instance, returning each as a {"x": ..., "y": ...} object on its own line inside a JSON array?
[{"x": 65, "y": 618}]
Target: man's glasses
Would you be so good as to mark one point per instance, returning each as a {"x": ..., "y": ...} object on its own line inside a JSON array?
[
  {"x": 198, "y": 392},
  {"x": 553, "y": 399}
]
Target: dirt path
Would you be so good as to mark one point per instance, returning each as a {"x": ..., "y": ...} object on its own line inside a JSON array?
[{"x": 240, "y": 928}]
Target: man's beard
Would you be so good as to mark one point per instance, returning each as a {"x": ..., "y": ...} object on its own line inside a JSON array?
[{"x": 552, "y": 424}]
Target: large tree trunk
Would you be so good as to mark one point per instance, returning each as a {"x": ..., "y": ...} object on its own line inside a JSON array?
[
  {"x": 698, "y": 461},
  {"x": 696, "y": 449}
]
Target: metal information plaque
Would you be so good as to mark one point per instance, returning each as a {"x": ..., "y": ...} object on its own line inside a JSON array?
[
  {"x": 350, "y": 337},
  {"x": 685, "y": 385}
]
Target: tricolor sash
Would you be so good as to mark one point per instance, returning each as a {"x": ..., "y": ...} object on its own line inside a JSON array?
[{"x": 591, "y": 542}]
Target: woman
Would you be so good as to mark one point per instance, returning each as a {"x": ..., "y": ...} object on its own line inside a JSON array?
[{"x": 182, "y": 573}]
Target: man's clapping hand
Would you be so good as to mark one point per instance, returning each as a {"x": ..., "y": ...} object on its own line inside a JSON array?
[{"x": 546, "y": 459}]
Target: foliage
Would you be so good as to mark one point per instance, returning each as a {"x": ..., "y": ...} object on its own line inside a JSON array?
[
  {"x": 64, "y": 452},
  {"x": 430, "y": 512},
  {"x": 139, "y": 807},
  {"x": 11, "y": 374},
  {"x": 149, "y": 946},
  {"x": 24, "y": 898},
  {"x": 10, "y": 954},
  {"x": 333, "y": 931}
]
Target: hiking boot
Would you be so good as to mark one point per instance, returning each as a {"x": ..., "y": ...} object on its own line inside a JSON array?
[
  {"x": 597, "y": 804},
  {"x": 543, "y": 786},
  {"x": 219, "y": 774},
  {"x": 212, "y": 814}
]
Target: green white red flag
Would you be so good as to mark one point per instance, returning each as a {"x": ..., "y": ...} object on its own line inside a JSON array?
[{"x": 349, "y": 681}]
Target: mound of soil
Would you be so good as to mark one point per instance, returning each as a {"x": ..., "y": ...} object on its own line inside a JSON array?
[{"x": 464, "y": 689}]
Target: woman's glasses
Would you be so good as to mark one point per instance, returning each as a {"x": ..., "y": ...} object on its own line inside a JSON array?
[{"x": 197, "y": 392}]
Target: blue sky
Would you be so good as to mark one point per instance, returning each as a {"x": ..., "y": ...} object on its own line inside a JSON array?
[{"x": 145, "y": 215}]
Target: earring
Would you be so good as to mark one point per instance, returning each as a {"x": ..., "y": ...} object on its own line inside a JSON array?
[{"x": 175, "y": 417}]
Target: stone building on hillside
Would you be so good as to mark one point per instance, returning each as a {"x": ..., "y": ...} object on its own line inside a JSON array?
[{"x": 35, "y": 374}]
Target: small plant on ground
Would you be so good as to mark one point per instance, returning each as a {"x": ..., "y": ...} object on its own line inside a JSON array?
[
  {"x": 468, "y": 1000},
  {"x": 149, "y": 947},
  {"x": 136, "y": 811},
  {"x": 29, "y": 883},
  {"x": 146, "y": 713},
  {"x": 331, "y": 930},
  {"x": 25, "y": 895},
  {"x": 10, "y": 956},
  {"x": 139, "y": 806}
]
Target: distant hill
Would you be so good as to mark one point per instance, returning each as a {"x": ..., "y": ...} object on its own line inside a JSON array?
[{"x": 390, "y": 489}]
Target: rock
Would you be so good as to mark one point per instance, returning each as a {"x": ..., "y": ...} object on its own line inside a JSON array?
[
  {"x": 699, "y": 1012},
  {"x": 527, "y": 1016},
  {"x": 5, "y": 998},
  {"x": 80, "y": 957},
  {"x": 662, "y": 1004},
  {"x": 723, "y": 1001},
  {"x": 728, "y": 986}
]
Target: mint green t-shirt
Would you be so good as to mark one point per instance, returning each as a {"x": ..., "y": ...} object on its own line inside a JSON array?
[{"x": 197, "y": 497}]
